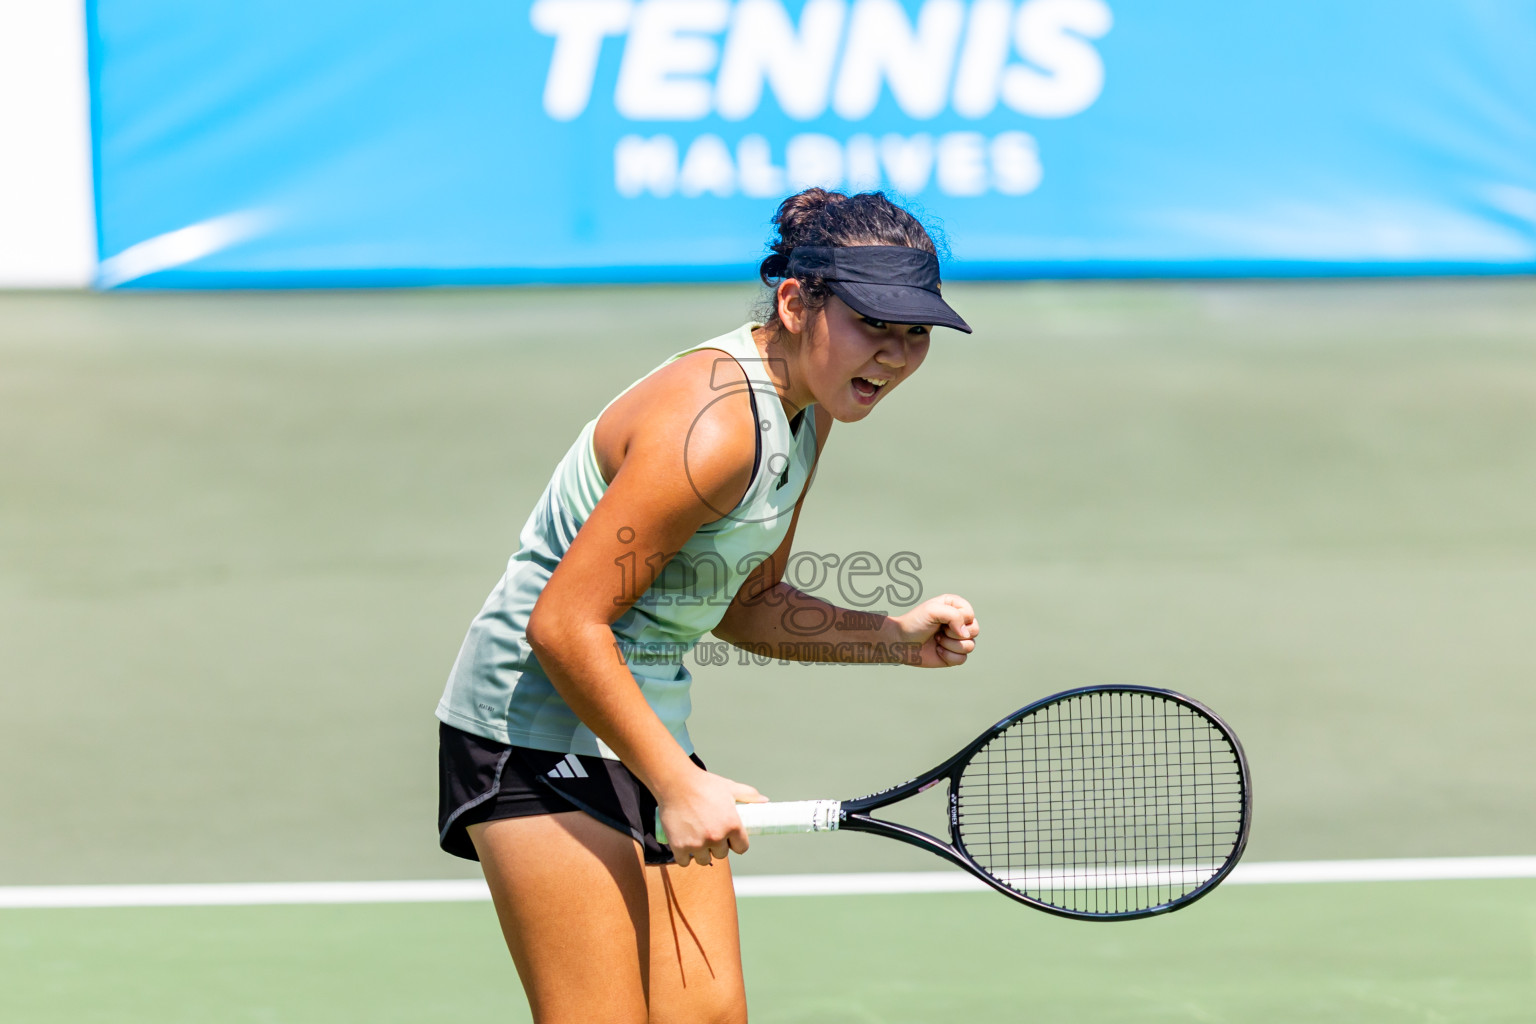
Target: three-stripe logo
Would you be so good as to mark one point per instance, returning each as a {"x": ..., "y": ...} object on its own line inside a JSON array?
[{"x": 570, "y": 768}]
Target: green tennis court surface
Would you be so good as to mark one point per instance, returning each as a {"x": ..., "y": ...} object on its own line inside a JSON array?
[
  {"x": 1352, "y": 954},
  {"x": 241, "y": 536}
]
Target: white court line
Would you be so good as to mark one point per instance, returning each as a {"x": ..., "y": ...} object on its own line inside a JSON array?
[{"x": 472, "y": 890}]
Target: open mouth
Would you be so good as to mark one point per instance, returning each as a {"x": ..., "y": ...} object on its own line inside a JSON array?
[{"x": 867, "y": 388}]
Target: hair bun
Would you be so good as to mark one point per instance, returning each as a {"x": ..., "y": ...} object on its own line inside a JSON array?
[{"x": 799, "y": 215}]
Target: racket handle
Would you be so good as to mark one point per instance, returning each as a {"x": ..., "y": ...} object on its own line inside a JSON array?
[
  {"x": 778, "y": 818},
  {"x": 791, "y": 816}
]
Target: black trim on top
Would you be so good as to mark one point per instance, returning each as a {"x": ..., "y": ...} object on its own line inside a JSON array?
[{"x": 757, "y": 434}]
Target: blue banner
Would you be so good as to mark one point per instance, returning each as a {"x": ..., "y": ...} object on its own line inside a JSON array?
[{"x": 337, "y": 142}]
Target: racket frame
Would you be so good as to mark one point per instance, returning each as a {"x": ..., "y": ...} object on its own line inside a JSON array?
[{"x": 856, "y": 816}]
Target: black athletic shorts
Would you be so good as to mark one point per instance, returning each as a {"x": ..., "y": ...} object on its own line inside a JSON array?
[{"x": 483, "y": 780}]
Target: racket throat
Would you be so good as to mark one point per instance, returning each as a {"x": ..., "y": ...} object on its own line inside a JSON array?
[{"x": 857, "y": 821}]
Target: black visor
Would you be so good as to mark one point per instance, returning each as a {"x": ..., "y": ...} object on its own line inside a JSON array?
[{"x": 894, "y": 283}]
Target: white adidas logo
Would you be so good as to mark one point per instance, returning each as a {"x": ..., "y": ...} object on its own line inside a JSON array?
[{"x": 570, "y": 768}]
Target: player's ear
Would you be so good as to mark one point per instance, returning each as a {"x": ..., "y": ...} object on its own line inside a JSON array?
[{"x": 791, "y": 300}]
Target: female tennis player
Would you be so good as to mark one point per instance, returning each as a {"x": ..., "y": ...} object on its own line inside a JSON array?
[{"x": 672, "y": 516}]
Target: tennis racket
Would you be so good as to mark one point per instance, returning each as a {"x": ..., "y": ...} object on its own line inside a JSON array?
[{"x": 1104, "y": 802}]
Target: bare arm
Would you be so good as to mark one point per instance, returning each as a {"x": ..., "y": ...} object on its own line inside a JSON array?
[
  {"x": 652, "y": 506},
  {"x": 769, "y": 616},
  {"x": 789, "y": 625}
]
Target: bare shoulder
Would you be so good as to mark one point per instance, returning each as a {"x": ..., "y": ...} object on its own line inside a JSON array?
[{"x": 690, "y": 421}]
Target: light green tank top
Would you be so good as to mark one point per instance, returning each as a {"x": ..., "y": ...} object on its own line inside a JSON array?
[{"x": 497, "y": 689}]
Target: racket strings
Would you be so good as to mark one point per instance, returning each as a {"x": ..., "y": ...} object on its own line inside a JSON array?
[{"x": 1107, "y": 802}]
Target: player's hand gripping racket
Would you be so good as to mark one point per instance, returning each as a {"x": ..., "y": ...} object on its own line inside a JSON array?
[{"x": 1105, "y": 802}]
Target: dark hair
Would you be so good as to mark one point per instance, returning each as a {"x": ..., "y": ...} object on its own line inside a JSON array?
[{"x": 821, "y": 217}]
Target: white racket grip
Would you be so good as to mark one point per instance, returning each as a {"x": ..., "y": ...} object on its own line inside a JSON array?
[
  {"x": 782, "y": 818},
  {"x": 791, "y": 816}
]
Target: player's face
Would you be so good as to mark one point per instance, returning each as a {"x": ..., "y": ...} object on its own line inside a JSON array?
[{"x": 848, "y": 361}]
